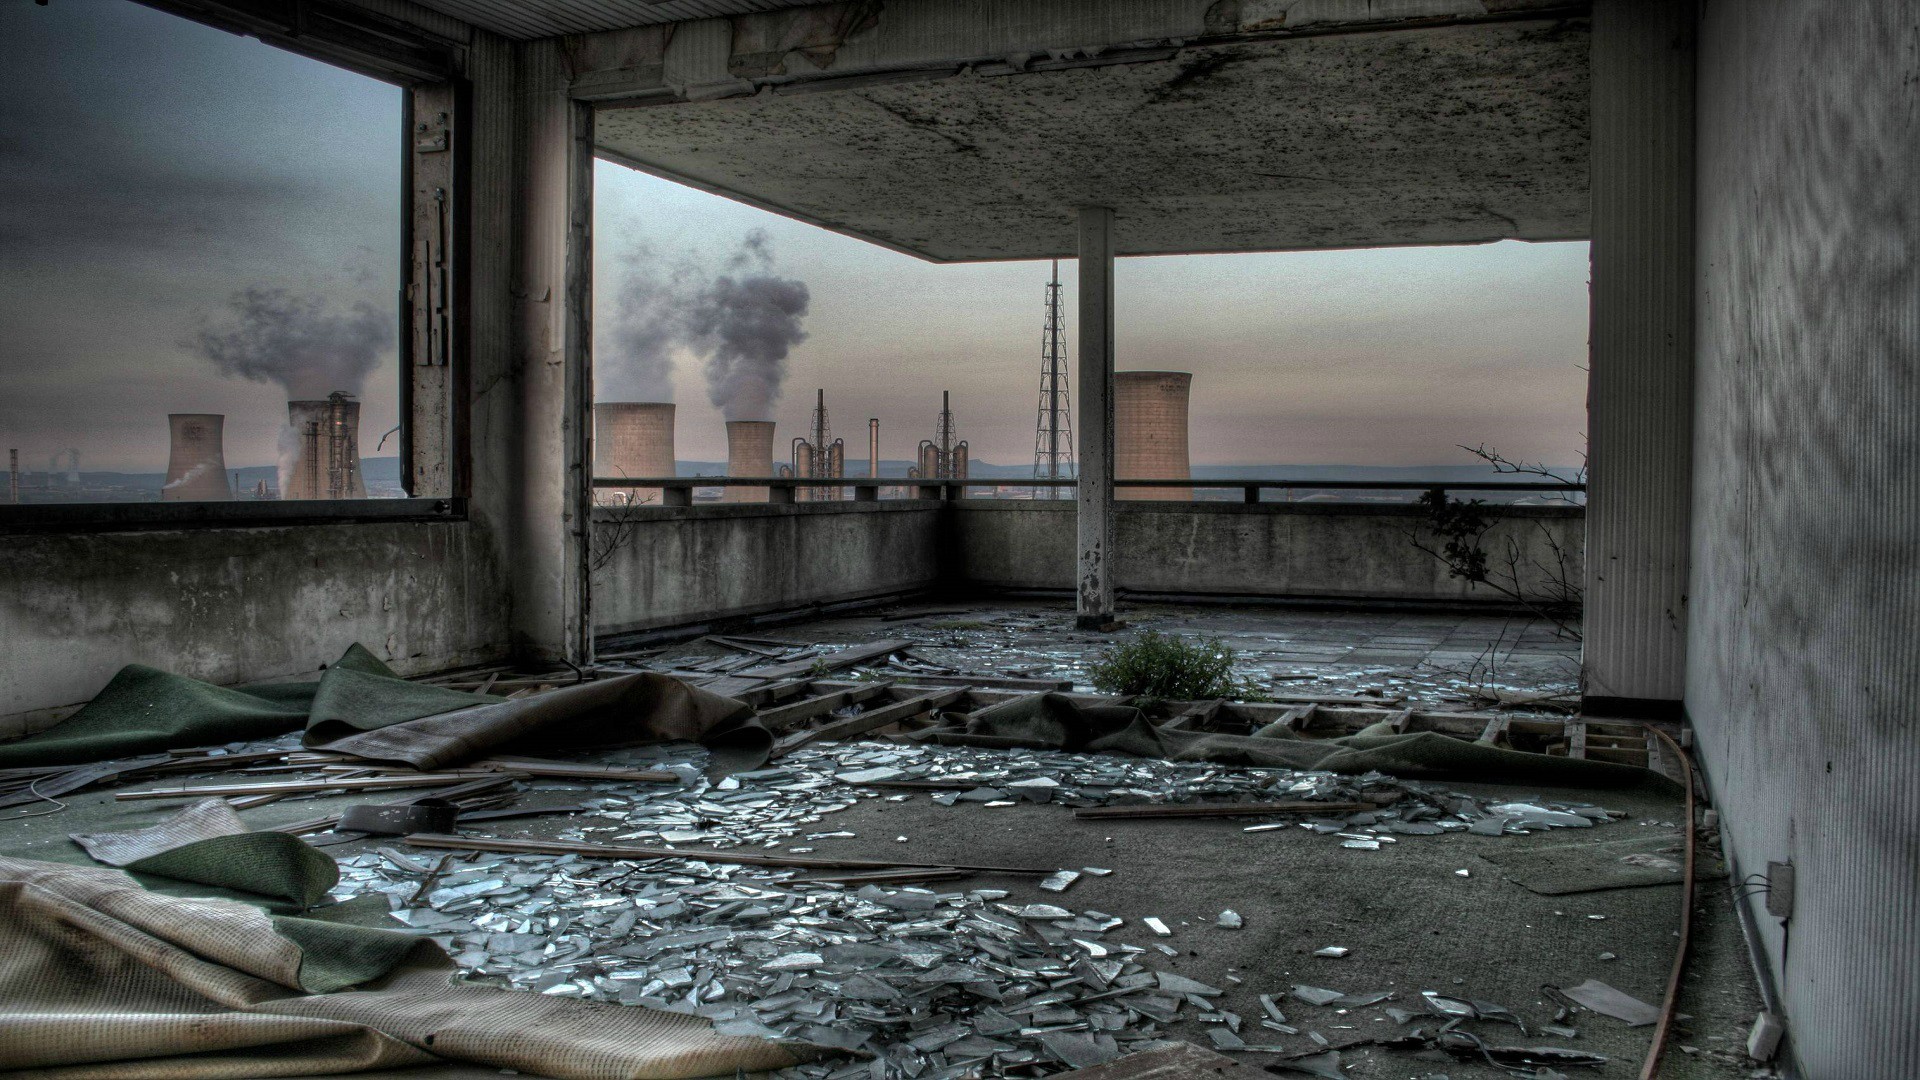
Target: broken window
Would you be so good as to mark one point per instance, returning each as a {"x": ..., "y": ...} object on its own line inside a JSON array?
[{"x": 202, "y": 236}]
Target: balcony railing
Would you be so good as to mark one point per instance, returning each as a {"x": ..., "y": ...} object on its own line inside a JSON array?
[{"x": 678, "y": 490}]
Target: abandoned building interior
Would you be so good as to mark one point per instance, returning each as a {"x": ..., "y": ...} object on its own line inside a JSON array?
[{"x": 510, "y": 775}]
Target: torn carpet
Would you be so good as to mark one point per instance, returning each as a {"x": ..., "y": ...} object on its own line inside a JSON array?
[{"x": 102, "y": 979}]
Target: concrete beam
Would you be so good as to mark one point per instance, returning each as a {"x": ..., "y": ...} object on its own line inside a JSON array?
[
  {"x": 1640, "y": 375},
  {"x": 1093, "y": 588}
]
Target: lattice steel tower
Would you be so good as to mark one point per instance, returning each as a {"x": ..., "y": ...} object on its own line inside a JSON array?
[{"x": 1053, "y": 433}]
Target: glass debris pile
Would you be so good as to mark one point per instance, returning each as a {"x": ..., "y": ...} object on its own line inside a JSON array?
[{"x": 925, "y": 981}]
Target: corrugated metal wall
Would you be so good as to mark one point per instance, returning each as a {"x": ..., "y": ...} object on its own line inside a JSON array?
[
  {"x": 1640, "y": 385},
  {"x": 1804, "y": 678}
]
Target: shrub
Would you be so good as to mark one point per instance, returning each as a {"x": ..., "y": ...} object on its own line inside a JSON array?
[{"x": 1162, "y": 667}]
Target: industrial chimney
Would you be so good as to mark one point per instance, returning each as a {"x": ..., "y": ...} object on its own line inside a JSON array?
[
  {"x": 632, "y": 438},
  {"x": 326, "y": 461},
  {"x": 749, "y": 453},
  {"x": 196, "y": 462},
  {"x": 1150, "y": 432}
]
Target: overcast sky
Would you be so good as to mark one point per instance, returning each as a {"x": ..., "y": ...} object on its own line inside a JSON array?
[{"x": 151, "y": 169}]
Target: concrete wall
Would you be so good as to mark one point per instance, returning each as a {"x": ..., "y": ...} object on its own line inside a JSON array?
[
  {"x": 677, "y": 565},
  {"x": 233, "y": 604},
  {"x": 1804, "y": 645},
  {"x": 236, "y": 605},
  {"x": 1236, "y": 549}
]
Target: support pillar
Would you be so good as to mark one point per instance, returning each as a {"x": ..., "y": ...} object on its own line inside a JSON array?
[
  {"x": 1640, "y": 374},
  {"x": 551, "y": 465},
  {"x": 1093, "y": 601}
]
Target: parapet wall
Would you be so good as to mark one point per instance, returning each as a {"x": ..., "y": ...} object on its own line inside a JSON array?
[
  {"x": 677, "y": 566},
  {"x": 673, "y": 566},
  {"x": 1331, "y": 551}
]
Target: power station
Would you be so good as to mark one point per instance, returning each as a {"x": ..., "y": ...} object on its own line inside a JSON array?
[
  {"x": 749, "y": 454},
  {"x": 1150, "y": 432},
  {"x": 632, "y": 439},
  {"x": 943, "y": 457},
  {"x": 196, "y": 459},
  {"x": 327, "y": 459},
  {"x": 821, "y": 455}
]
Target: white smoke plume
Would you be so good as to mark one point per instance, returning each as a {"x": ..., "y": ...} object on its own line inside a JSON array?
[
  {"x": 636, "y": 335},
  {"x": 301, "y": 342},
  {"x": 740, "y": 320}
]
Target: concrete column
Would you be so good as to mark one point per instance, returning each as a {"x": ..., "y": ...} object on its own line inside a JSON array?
[
  {"x": 550, "y": 470},
  {"x": 1093, "y": 602},
  {"x": 1640, "y": 378}
]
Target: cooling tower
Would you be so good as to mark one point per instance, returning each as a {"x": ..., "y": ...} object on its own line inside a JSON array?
[
  {"x": 749, "y": 453},
  {"x": 326, "y": 456},
  {"x": 197, "y": 462},
  {"x": 632, "y": 438},
  {"x": 1150, "y": 432}
]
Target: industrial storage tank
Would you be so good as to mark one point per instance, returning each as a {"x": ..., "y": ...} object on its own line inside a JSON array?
[
  {"x": 749, "y": 453},
  {"x": 632, "y": 438},
  {"x": 326, "y": 463},
  {"x": 1150, "y": 432},
  {"x": 196, "y": 459}
]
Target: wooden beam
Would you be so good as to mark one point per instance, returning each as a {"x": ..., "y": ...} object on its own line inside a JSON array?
[
  {"x": 786, "y": 715},
  {"x": 845, "y": 658},
  {"x": 1576, "y": 738},
  {"x": 299, "y": 787},
  {"x": 1216, "y": 810},
  {"x": 632, "y": 851},
  {"x": 1495, "y": 731},
  {"x": 867, "y": 721}
]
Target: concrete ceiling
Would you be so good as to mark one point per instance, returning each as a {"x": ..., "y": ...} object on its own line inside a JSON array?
[
  {"x": 523, "y": 20},
  {"x": 1457, "y": 134}
]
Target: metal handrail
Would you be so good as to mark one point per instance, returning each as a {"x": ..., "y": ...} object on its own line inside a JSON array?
[{"x": 677, "y": 490}]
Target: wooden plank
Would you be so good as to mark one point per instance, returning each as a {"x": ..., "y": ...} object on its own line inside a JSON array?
[
  {"x": 297, "y": 787},
  {"x": 994, "y": 682},
  {"x": 867, "y": 721},
  {"x": 1495, "y": 730},
  {"x": 1216, "y": 810},
  {"x": 1401, "y": 721},
  {"x": 574, "y": 771},
  {"x": 1197, "y": 718},
  {"x": 1576, "y": 738},
  {"x": 631, "y": 851},
  {"x": 782, "y": 716},
  {"x": 1180, "y": 1061},
  {"x": 845, "y": 658},
  {"x": 1289, "y": 698}
]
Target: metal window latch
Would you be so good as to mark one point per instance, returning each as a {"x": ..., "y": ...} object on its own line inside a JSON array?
[{"x": 431, "y": 137}]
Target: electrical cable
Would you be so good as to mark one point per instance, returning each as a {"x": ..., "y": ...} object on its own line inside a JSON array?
[
  {"x": 33, "y": 789},
  {"x": 1651, "y": 1067}
]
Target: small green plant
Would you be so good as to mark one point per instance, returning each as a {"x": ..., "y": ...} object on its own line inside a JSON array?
[
  {"x": 1162, "y": 667},
  {"x": 819, "y": 669}
]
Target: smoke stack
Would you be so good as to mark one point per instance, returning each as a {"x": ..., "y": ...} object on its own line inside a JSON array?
[
  {"x": 326, "y": 461},
  {"x": 749, "y": 453},
  {"x": 1150, "y": 432},
  {"x": 632, "y": 438},
  {"x": 197, "y": 461},
  {"x": 873, "y": 448}
]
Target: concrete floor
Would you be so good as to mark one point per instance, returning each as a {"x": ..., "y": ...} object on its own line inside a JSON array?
[
  {"x": 1411, "y": 921},
  {"x": 1434, "y": 659}
]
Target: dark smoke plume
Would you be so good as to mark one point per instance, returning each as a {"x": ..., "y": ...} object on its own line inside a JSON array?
[
  {"x": 300, "y": 342},
  {"x": 741, "y": 321},
  {"x": 744, "y": 323}
]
